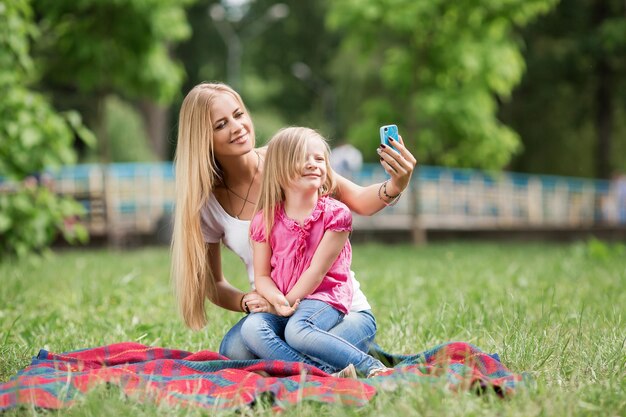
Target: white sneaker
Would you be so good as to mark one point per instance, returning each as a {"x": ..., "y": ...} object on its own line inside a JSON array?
[
  {"x": 378, "y": 371},
  {"x": 347, "y": 372}
]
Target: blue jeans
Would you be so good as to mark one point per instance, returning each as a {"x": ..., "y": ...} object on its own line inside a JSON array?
[
  {"x": 306, "y": 333},
  {"x": 357, "y": 328},
  {"x": 264, "y": 334},
  {"x": 304, "y": 337}
]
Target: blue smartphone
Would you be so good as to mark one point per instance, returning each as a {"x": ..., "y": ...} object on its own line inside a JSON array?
[{"x": 386, "y": 132}]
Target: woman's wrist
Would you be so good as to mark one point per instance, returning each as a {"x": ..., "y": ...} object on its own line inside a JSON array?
[
  {"x": 386, "y": 195},
  {"x": 242, "y": 305},
  {"x": 392, "y": 189}
]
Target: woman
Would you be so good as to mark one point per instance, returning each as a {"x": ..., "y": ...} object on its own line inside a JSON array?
[{"x": 217, "y": 184}]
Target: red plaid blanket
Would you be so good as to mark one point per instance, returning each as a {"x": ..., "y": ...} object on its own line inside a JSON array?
[{"x": 207, "y": 379}]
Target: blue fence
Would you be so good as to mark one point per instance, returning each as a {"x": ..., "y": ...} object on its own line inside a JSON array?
[
  {"x": 120, "y": 198},
  {"x": 448, "y": 198},
  {"x": 133, "y": 198}
]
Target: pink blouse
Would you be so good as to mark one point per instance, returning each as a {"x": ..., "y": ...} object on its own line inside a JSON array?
[{"x": 293, "y": 246}]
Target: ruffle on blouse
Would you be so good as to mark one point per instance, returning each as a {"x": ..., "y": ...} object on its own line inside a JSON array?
[
  {"x": 340, "y": 218},
  {"x": 301, "y": 231},
  {"x": 293, "y": 225}
]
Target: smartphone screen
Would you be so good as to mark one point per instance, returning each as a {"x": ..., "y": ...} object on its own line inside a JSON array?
[{"x": 386, "y": 132}]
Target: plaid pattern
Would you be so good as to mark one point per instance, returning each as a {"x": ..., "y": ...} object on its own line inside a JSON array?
[{"x": 207, "y": 379}]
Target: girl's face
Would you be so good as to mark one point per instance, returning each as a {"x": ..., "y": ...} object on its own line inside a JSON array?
[
  {"x": 312, "y": 174},
  {"x": 233, "y": 133}
]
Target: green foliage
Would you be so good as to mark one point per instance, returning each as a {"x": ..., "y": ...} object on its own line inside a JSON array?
[
  {"x": 270, "y": 49},
  {"x": 437, "y": 69},
  {"x": 555, "y": 109},
  {"x": 100, "y": 46},
  {"x": 16, "y": 30},
  {"x": 125, "y": 130},
  {"x": 93, "y": 48},
  {"x": 33, "y": 138},
  {"x": 307, "y": 98},
  {"x": 32, "y": 216}
]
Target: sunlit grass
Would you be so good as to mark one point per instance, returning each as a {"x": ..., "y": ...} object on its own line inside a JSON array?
[{"x": 556, "y": 311}]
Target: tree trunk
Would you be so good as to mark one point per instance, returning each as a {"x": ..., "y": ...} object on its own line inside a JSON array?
[
  {"x": 604, "y": 111},
  {"x": 418, "y": 231},
  {"x": 100, "y": 129},
  {"x": 156, "y": 121},
  {"x": 603, "y": 120}
]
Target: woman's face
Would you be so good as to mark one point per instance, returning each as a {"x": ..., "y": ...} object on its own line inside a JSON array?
[{"x": 233, "y": 133}]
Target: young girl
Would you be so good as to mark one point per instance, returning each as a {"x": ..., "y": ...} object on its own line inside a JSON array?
[{"x": 302, "y": 266}]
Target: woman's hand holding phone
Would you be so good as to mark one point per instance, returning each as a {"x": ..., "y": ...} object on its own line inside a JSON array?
[
  {"x": 396, "y": 160},
  {"x": 388, "y": 134}
]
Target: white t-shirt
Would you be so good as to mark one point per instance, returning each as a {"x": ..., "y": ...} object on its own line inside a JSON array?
[{"x": 217, "y": 225}]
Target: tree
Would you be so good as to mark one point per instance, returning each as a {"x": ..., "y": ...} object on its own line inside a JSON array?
[
  {"x": 33, "y": 138},
  {"x": 569, "y": 108},
  {"x": 93, "y": 48},
  {"x": 271, "y": 48},
  {"x": 299, "y": 64},
  {"x": 436, "y": 68}
]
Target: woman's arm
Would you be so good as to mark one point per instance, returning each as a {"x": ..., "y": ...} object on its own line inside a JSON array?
[
  {"x": 369, "y": 200},
  {"x": 325, "y": 255},
  {"x": 227, "y": 296}
]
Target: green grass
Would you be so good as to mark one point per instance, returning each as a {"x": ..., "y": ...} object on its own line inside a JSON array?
[{"x": 556, "y": 311}]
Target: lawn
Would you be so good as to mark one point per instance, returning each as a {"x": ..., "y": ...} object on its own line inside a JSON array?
[{"x": 555, "y": 311}]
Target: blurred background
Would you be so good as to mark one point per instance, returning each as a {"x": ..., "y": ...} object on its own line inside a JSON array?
[{"x": 515, "y": 109}]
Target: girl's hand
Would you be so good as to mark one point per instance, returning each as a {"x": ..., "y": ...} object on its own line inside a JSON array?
[
  {"x": 285, "y": 310},
  {"x": 399, "y": 166},
  {"x": 256, "y": 303}
]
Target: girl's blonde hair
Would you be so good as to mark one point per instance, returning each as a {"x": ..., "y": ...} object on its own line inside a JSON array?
[
  {"x": 197, "y": 172},
  {"x": 284, "y": 161}
]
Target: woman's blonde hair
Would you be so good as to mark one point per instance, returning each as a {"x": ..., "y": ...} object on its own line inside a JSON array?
[
  {"x": 197, "y": 173},
  {"x": 284, "y": 160}
]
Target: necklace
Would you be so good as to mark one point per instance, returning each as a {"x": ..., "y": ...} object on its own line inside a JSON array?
[{"x": 245, "y": 199}]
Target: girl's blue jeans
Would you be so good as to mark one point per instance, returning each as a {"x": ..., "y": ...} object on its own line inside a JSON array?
[{"x": 317, "y": 334}]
